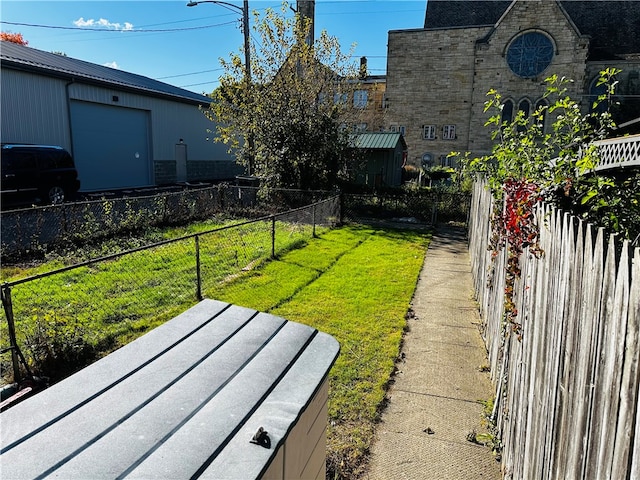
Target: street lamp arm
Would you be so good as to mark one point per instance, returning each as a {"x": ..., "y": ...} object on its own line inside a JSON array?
[{"x": 193, "y": 4}]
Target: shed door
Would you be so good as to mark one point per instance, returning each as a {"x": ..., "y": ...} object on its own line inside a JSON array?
[{"x": 110, "y": 146}]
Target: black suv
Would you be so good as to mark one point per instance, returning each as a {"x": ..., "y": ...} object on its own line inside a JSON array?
[{"x": 40, "y": 173}]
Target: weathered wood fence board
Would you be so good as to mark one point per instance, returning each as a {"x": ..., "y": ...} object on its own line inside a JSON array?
[
  {"x": 630, "y": 397},
  {"x": 567, "y": 394}
]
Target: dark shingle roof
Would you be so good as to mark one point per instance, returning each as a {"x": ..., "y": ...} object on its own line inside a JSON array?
[
  {"x": 20, "y": 57},
  {"x": 463, "y": 13},
  {"x": 377, "y": 141},
  {"x": 613, "y": 25}
]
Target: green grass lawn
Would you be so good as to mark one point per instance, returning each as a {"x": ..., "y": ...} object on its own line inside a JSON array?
[{"x": 354, "y": 283}]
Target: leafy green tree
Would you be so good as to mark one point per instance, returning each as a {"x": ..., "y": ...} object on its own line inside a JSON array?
[
  {"x": 553, "y": 150},
  {"x": 288, "y": 125},
  {"x": 550, "y": 156}
]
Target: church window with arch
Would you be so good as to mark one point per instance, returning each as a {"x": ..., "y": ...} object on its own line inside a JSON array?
[
  {"x": 541, "y": 106},
  {"x": 507, "y": 112}
]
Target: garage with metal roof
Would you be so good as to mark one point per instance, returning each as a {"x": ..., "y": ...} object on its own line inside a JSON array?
[{"x": 123, "y": 130}]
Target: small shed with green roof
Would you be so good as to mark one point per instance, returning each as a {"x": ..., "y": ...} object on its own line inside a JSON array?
[{"x": 383, "y": 154}]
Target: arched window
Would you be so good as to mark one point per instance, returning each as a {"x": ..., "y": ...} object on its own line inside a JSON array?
[
  {"x": 594, "y": 92},
  {"x": 507, "y": 112},
  {"x": 525, "y": 107},
  {"x": 541, "y": 107}
]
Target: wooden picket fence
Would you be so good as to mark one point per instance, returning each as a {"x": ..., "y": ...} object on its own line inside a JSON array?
[{"x": 567, "y": 393}]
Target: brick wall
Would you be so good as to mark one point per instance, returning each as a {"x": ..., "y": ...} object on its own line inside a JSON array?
[
  {"x": 164, "y": 172},
  {"x": 203, "y": 170},
  {"x": 429, "y": 82},
  {"x": 441, "y": 76},
  {"x": 207, "y": 170},
  {"x": 492, "y": 71}
]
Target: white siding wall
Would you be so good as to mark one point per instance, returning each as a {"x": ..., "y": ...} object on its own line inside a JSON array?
[{"x": 34, "y": 109}]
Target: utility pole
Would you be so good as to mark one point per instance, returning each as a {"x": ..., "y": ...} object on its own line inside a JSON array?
[{"x": 247, "y": 59}]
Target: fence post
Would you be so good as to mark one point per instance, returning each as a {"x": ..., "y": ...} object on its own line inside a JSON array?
[
  {"x": 314, "y": 220},
  {"x": 198, "y": 274},
  {"x": 273, "y": 237},
  {"x": 8, "y": 310}
]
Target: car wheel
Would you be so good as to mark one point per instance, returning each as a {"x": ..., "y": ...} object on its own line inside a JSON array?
[{"x": 56, "y": 195}]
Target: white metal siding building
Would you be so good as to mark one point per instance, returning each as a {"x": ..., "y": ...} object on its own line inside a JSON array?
[{"x": 124, "y": 130}]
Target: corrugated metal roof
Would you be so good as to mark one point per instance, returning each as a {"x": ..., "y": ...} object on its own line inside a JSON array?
[
  {"x": 13, "y": 55},
  {"x": 377, "y": 141}
]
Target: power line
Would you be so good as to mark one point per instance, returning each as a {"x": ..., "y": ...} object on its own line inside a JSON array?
[
  {"x": 91, "y": 29},
  {"x": 192, "y": 73},
  {"x": 201, "y": 83}
]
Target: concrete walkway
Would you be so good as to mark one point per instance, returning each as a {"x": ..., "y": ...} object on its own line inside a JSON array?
[{"x": 434, "y": 400}]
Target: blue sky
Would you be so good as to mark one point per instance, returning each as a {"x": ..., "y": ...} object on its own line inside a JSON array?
[{"x": 181, "y": 45}]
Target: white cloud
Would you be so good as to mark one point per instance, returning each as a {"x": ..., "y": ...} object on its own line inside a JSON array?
[
  {"x": 111, "y": 65},
  {"x": 103, "y": 23}
]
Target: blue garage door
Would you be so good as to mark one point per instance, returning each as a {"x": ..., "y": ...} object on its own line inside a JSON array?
[{"x": 110, "y": 146}]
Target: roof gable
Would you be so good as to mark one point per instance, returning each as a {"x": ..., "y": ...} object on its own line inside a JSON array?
[{"x": 20, "y": 57}]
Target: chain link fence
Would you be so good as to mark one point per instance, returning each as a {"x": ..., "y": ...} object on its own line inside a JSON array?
[
  {"x": 40, "y": 229},
  {"x": 425, "y": 207},
  {"x": 62, "y": 320}
]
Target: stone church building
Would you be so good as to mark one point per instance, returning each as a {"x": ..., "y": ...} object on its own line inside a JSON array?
[{"x": 438, "y": 76}]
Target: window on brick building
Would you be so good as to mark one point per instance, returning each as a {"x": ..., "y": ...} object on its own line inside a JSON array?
[
  {"x": 525, "y": 107},
  {"x": 340, "y": 98},
  {"x": 360, "y": 98},
  {"x": 446, "y": 161},
  {"x": 398, "y": 129},
  {"x": 449, "y": 132},
  {"x": 507, "y": 112},
  {"x": 429, "y": 132},
  {"x": 540, "y": 105}
]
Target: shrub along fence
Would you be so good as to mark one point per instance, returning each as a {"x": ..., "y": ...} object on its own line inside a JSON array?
[
  {"x": 567, "y": 392},
  {"x": 43, "y": 228},
  {"x": 426, "y": 206},
  {"x": 48, "y": 317},
  {"x": 38, "y": 229}
]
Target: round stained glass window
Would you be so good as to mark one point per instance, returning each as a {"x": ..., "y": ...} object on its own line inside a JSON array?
[{"x": 530, "y": 54}]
